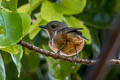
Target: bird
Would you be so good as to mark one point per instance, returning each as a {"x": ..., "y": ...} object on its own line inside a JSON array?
[{"x": 64, "y": 40}]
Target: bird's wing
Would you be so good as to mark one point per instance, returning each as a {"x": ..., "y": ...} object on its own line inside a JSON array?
[
  {"x": 75, "y": 31},
  {"x": 68, "y": 30},
  {"x": 84, "y": 37}
]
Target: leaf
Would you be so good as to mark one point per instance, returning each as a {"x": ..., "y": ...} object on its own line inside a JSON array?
[
  {"x": 26, "y": 21},
  {"x": 6, "y": 57},
  {"x": 17, "y": 58},
  {"x": 34, "y": 28},
  {"x": 31, "y": 61},
  {"x": 74, "y": 22},
  {"x": 10, "y": 4},
  {"x": 34, "y": 4},
  {"x": 117, "y": 6},
  {"x": 69, "y": 7},
  {"x": 31, "y": 2},
  {"x": 2, "y": 69},
  {"x": 25, "y": 9},
  {"x": 60, "y": 70},
  {"x": 11, "y": 25},
  {"x": 99, "y": 14},
  {"x": 14, "y": 49},
  {"x": 49, "y": 13},
  {"x": 98, "y": 20},
  {"x": 16, "y": 53}
]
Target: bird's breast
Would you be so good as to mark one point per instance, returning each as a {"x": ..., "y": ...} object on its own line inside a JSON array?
[{"x": 71, "y": 40}]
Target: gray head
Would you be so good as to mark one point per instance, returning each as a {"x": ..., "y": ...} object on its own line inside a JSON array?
[{"x": 53, "y": 26}]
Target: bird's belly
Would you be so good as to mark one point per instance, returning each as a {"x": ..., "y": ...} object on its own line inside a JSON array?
[
  {"x": 55, "y": 45},
  {"x": 68, "y": 49}
]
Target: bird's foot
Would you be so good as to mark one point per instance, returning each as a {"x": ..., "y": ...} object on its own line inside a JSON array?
[
  {"x": 58, "y": 52},
  {"x": 76, "y": 57}
]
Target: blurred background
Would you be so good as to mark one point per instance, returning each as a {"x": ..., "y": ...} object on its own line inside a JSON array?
[{"x": 95, "y": 16}]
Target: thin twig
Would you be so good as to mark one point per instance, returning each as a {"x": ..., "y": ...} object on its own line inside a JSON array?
[{"x": 56, "y": 56}]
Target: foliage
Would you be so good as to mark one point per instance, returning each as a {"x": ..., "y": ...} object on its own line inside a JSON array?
[{"x": 15, "y": 24}]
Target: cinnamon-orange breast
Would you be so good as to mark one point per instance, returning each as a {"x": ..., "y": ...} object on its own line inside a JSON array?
[{"x": 74, "y": 43}]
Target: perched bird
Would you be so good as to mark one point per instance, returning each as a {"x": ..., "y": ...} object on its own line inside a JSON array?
[{"x": 64, "y": 40}]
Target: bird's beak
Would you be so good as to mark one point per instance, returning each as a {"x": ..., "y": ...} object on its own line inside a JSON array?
[{"x": 43, "y": 26}]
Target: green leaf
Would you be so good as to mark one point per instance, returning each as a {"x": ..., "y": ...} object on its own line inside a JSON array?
[
  {"x": 30, "y": 61},
  {"x": 69, "y": 7},
  {"x": 25, "y": 25},
  {"x": 60, "y": 70},
  {"x": 14, "y": 49},
  {"x": 2, "y": 69},
  {"x": 34, "y": 28},
  {"x": 117, "y": 6},
  {"x": 98, "y": 20},
  {"x": 34, "y": 4},
  {"x": 17, "y": 58},
  {"x": 26, "y": 21},
  {"x": 49, "y": 13},
  {"x": 6, "y": 57},
  {"x": 11, "y": 26},
  {"x": 10, "y": 4},
  {"x": 74, "y": 22},
  {"x": 99, "y": 14},
  {"x": 25, "y": 9}
]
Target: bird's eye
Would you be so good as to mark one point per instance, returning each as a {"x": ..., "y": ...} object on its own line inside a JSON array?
[{"x": 53, "y": 26}]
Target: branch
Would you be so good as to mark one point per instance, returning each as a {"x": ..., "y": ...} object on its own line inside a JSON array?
[{"x": 55, "y": 56}]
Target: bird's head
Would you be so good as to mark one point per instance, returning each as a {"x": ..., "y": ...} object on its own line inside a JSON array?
[{"x": 53, "y": 26}]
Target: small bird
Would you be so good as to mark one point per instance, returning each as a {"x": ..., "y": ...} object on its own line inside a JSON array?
[{"x": 64, "y": 40}]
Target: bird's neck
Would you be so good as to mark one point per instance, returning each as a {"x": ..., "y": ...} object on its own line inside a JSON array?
[{"x": 51, "y": 33}]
